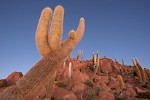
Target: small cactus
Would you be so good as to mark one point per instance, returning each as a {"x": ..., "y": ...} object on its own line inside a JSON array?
[
  {"x": 147, "y": 73},
  {"x": 69, "y": 71},
  {"x": 78, "y": 55},
  {"x": 94, "y": 60},
  {"x": 137, "y": 70},
  {"x": 123, "y": 62},
  {"x": 64, "y": 64},
  {"x": 121, "y": 82},
  {"x": 93, "y": 56},
  {"x": 97, "y": 65},
  {"x": 69, "y": 74},
  {"x": 82, "y": 55}
]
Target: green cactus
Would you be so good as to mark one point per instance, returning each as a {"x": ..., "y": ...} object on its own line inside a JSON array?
[{"x": 53, "y": 52}]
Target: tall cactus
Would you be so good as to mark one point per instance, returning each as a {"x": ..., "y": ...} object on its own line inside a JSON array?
[
  {"x": 53, "y": 52},
  {"x": 97, "y": 65}
]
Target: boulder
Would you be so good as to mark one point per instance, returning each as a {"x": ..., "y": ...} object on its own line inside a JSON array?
[
  {"x": 105, "y": 95},
  {"x": 105, "y": 66},
  {"x": 13, "y": 77}
]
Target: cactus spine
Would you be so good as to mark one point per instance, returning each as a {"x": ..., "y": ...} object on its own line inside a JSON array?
[{"x": 121, "y": 82}]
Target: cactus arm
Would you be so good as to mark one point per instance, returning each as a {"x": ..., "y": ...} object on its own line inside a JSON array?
[
  {"x": 41, "y": 36},
  {"x": 55, "y": 36},
  {"x": 78, "y": 36}
]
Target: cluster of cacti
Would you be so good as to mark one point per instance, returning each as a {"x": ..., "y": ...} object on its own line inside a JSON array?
[
  {"x": 80, "y": 55},
  {"x": 139, "y": 71},
  {"x": 49, "y": 43},
  {"x": 121, "y": 82},
  {"x": 96, "y": 63}
]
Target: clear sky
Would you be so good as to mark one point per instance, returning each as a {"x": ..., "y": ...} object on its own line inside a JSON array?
[{"x": 114, "y": 27}]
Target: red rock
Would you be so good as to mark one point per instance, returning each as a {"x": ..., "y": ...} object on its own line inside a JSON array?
[
  {"x": 132, "y": 92},
  {"x": 70, "y": 96},
  {"x": 139, "y": 90},
  {"x": 113, "y": 84},
  {"x": 59, "y": 93},
  {"x": 3, "y": 83},
  {"x": 129, "y": 92},
  {"x": 102, "y": 79},
  {"x": 102, "y": 86},
  {"x": 79, "y": 77},
  {"x": 105, "y": 66},
  {"x": 79, "y": 88},
  {"x": 104, "y": 95},
  {"x": 13, "y": 77},
  {"x": 115, "y": 66}
]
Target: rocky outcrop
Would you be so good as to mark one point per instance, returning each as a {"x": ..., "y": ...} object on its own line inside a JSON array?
[
  {"x": 13, "y": 77},
  {"x": 84, "y": 85}
]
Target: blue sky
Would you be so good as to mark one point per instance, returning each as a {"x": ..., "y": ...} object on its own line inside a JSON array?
[{"x": 114, "y": 27}]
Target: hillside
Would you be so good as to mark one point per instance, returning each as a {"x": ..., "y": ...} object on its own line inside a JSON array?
[{"x": 95, "y": 79}]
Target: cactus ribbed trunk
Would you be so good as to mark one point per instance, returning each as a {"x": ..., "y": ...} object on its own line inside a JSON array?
[{"x": 28, "y": 87}]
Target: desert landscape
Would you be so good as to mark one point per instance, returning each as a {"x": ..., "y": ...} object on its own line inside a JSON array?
[
  {"x": 58, "y": 76},
  {"x": 88, "y": 80}
]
